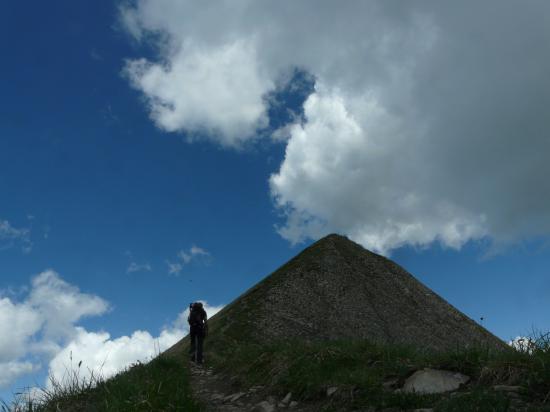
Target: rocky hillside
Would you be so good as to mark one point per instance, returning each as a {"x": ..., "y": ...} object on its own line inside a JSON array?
[{"x": 336, "y": 289}]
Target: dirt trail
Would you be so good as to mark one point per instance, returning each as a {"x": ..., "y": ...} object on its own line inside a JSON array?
[{"x": 217, "y": 394}]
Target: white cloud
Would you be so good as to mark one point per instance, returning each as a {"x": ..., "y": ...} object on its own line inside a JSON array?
[
  {"x": 217, "y": 91},
  {"x": 428, "y": 121},
  {"x": 10, "y": 236},
  {"x": 133, "y": 266},
  {"x": 523, "y": 344},
  {"x": 41, "y": 323},
  {"x": 195, "y": 250},
  {"x": 355, "y": 186},
  {"x": 102, "y": 355},
  {"x": 61, "y": 304},
  {"x": 18, "y": 323},
  {"x": 186, "y": 256},
  {"x": 136, "y": 267},
  {"x": 174, "y": 268},
  {"x": 13, "y": 370}
]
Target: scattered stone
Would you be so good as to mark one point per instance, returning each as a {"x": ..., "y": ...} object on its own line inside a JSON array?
[
  {"x": 434, "y": 381},
  {"x": 217, "y": 397},
  {"x": 293, "y": 404},
  {"x": 264, "y": 406},
  {"x": 332, "y": 390},
  {"x": 506, "y": 388},
  {"x": 233, "y": 397},
  {"x": 287, "y": 398}
]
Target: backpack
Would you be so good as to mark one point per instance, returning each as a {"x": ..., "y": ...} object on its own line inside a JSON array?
[{"x": 196, "y": 316}]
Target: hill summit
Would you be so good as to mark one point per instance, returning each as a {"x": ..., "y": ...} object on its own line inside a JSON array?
[{"x": 336, "y": 289}]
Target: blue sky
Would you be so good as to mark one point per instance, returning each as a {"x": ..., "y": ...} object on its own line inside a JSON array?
[{"x": 141, "y": 137}]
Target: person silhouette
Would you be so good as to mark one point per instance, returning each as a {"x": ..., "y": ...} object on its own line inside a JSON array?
[{"x": 198, "y": 329}]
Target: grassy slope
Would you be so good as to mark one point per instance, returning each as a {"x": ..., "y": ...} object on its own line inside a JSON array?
[
  {"x": 160, "y": 385},
  {"x": 359, "y": 370}
]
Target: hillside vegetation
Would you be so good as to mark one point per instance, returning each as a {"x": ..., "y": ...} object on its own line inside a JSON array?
[
  {"x": 365, "y": 375},
  {"x": 159, "y": 385}
]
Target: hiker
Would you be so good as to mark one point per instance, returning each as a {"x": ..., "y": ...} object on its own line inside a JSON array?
[{"x": 198, "y": 330}]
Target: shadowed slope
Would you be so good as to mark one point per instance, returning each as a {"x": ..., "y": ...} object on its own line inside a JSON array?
[{"x": 337, "y": 289}]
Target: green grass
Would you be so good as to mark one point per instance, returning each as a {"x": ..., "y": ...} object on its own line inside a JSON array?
[
  {"x": 160, "y": 385},
  {"x": 359, "y": 369}
]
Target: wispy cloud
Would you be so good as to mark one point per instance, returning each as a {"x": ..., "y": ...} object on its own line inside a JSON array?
[
  {"x": 11, "y": 236},
  {"x": 187, "y": 256},
  {"x": 174, "y": 268},
  {"x": 94, "y": 54},
  {"x": 136, "y": 267},
  {"x": 46, "y": 230},
  {"x": 109, "y": 114}
]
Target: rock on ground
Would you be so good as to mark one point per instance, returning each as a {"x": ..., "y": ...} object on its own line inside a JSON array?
[
  {"x": 434, "y": 381},
  {"x": 264, "y": 406}
]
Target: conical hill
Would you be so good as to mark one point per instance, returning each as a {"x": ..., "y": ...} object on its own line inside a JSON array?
[{"x": 337, "y": 289}]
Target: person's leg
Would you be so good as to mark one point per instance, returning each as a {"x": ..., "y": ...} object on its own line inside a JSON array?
[
  {"x": 200, "y": 341},
  {"x": 193, "y": 346}
]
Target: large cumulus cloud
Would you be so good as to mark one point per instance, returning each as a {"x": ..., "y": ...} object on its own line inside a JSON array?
[
  {"x": 36, "y": 327},
  {"x": 429, "y": 121}
]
